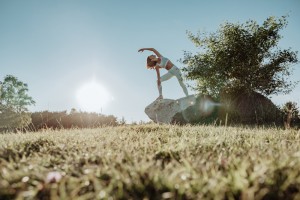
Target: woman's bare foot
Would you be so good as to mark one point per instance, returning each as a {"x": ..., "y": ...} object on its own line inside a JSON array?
[{"x": 160, "y": 97}]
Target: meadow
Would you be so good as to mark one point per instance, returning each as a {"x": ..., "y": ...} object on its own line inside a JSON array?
[{"x": 151, "y": 162}]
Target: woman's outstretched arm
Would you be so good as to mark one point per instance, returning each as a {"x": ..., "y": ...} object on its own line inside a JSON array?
[{"x": 151, "y": 49}]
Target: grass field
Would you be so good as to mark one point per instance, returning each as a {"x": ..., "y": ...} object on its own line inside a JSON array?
[{"x": 151, "y": 162}]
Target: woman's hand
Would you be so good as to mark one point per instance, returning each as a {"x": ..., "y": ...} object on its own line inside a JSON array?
[{"x": 141, "y": 50}]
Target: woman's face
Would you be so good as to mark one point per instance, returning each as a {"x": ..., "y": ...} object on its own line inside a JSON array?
[{"x": 152, "y": 57}]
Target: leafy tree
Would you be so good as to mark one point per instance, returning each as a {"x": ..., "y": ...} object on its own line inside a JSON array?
[
  {"x": 241, "y": 57},
  {"x": 13, "y": 94},
  {"x": 13, "y": 104},
  {"x": 290, "y": 108},
  {"x": 291, "y": 111}
]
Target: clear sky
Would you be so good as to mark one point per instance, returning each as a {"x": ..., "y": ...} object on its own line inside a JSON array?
[{"x": 58, "y": 46}]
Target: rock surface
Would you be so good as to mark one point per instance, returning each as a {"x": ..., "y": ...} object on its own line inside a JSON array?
[{"x": 181, "y": 111}]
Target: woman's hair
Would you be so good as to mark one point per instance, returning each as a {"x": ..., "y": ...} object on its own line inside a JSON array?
[{"x": 150, "y": 64}]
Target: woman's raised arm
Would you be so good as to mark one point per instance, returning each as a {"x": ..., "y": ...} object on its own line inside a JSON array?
[{"x": 151, "y": 49}]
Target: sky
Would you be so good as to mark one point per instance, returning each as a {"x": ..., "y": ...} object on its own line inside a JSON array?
[{"x": 59, "y": 47}]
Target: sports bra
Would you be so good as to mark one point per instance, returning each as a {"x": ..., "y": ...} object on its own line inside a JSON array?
[{"x": 163, "y": 62}]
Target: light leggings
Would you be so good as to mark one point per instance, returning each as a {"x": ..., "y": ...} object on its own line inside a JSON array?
[{"x": 174, "y": 71}]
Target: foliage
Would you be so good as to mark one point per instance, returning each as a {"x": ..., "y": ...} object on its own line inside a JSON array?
[
  {"x": 291, "y": 114},
  {"x": 122, "y": 121},
  {"x": 13, "y": 104},
  {"x": 151, "y": 162},
  {"x": 13, "y": 94},
  {"x": 10, "y": 120},
  {"x": 290, "y": 107},
  {"x": 63, "y": 120},
  {"x": 241, "y": 57},
  {"x": 248, "y": 108}
]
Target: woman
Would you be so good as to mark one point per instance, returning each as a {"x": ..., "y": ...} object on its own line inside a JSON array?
[{"x": 157, "y": 62}]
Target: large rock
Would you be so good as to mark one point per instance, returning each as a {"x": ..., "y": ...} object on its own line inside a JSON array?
[
  {"x": 237, "y": 107},
  {"x": 189, "y": 109}
]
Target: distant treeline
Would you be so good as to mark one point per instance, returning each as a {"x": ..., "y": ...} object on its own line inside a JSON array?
[{"x": 63, "y": 120}]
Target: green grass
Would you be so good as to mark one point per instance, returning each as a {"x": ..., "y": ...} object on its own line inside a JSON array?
[{"x": 152, "y": 162}]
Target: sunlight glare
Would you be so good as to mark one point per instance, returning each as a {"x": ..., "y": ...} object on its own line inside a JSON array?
[{"x": 92, "y": 97}]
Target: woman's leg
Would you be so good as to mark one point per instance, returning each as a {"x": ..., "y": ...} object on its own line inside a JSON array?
[
  {"x": 165, "y": 77},
  {"x": 176, "y": 72},
  {"x": 159, "y": 88}
]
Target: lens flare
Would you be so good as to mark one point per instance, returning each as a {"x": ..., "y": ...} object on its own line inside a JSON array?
[
  {"x": 196, "y": 107},
  {"x": 207, "y": 106}
]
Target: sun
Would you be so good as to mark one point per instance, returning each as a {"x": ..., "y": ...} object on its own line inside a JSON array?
[{"x": 92, "y": 96}]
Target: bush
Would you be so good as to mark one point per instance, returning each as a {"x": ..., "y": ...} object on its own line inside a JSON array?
[
  {"x": 12, "y": 121},
  {"x": 58, "y": 120}
]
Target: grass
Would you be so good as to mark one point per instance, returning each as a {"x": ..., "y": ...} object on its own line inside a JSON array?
[{"x": 151, "y": 162}]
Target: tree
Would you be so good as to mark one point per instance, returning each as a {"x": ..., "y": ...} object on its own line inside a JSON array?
[
  {"x": 13, "y": 94},
  {"x": 291, "y": 111},
  {"x": 241, "y": 57},
  {"x": 13, "y": 104}
]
